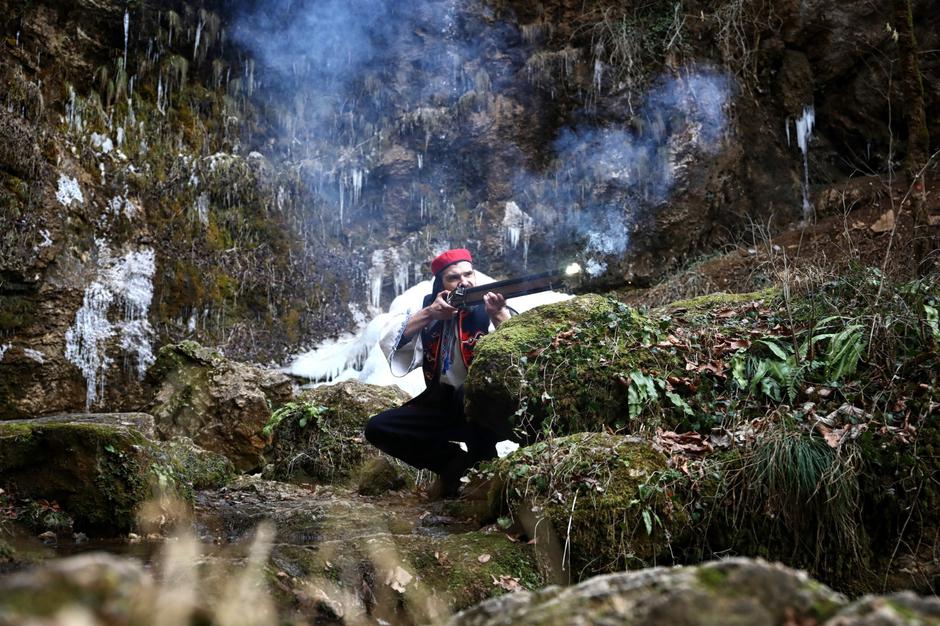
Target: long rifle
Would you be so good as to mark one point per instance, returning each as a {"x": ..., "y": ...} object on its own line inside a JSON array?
[{"x": 512, "y": 287}]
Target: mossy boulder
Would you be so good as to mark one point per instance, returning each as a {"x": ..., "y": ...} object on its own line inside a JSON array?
[
  {"x": 563, "y": 367},
  {"x": 221, "y": 405},
  {"x": 730, "y": 592},
  {"x": 319, "y": 438},
  {"x": 99, "y": 471},
  {"x": 595, "y": 502}
]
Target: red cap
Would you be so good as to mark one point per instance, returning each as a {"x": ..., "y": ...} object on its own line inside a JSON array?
[{"x": 449, "y": 258}]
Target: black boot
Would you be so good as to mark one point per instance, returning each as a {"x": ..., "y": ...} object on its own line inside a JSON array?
[{"x": 447, "y": 484}]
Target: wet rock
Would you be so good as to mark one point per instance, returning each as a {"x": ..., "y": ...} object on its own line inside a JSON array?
[
  {"x": 221, "y": 405},
  {"x": 594, "y": 502},
  {"x": 336, "y": 554},
  {"x": 320, "y": 439},
  {"x": 735, "y": 591},
  {"x": 98, "y": 471}
]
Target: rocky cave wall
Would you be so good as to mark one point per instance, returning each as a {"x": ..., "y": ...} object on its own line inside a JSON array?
[{"x": 192, "y": 170}]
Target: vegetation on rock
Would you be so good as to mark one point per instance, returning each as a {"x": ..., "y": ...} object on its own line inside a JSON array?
[{"x": 318, "y": 438}]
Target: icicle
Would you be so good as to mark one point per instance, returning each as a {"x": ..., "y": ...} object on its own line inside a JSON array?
[
  {"x": 598, "y": 75},
  {"x": 160, "y": 95},
  {"x": 804, "y": 130},
  {"x": 357, "y": 176},
  {"x": 127, "y": 24},
  {"x": 517, "y": 225},
  {"x": 342, "y": 197},
  {"x": 198, "y": 37},
  {"x": 376, "y": 274}
]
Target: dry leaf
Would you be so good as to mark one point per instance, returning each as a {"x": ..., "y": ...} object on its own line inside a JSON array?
[
  {"x": 884, "y": 223},
  {"x": 398, "y": 579},
  {"x": 484, "y": 558},
  {"x": 507, "y": 582}
]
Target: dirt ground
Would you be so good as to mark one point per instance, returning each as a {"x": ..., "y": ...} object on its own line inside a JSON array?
[{"x": 857, "y": 222}]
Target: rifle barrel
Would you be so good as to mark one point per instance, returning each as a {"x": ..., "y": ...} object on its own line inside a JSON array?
[{"x": 515, "y": 287}]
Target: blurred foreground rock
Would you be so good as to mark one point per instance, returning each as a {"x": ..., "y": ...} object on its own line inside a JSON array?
[
  {"x": 221, "y": 405},
  {"x": 731, "y": 592},
  {"x": 98, "y": 588}
]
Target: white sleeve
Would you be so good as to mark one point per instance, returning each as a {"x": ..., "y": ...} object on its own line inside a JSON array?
[{"x": 401, "y": 358}]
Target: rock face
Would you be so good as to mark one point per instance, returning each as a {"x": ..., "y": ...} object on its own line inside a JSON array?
[
  {"x": 197, "y": 165},
  {"x": 101, "y": 470},
  {"x": 221, "y": 405},
  {"x": 319, "y": 438}
]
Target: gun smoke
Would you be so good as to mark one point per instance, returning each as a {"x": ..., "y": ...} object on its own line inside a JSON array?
[{"x": 350, "y": 70}]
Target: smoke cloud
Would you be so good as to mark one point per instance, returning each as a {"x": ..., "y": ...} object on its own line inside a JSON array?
[{"x": 351, "y": 78}]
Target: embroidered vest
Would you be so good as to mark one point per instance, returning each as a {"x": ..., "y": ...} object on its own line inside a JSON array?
[{"x": 470, "y": 324}]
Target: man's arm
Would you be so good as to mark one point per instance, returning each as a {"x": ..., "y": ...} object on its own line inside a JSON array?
[{"x": 437, "y": 310}]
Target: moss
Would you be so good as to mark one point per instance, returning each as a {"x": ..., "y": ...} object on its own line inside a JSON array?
[
  {"x": 7, "y": 553},
  {"x": 179, "y": 358},
  {"x": 181, "y": 467},
  {"x": 98, "y": 473},
  {"x": 610, "y": 498},
  {"x": 712, "y": 578},
  {"x": 564, "y": 368},
  {"x": 452, "y": 566},
  {"x": 380, "y": 475},
  {"x": 714, "y": 300},
  {"x": 15, "y": 312}
]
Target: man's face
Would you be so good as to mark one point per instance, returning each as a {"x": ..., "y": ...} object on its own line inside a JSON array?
[{"x": 459, "y": 275}]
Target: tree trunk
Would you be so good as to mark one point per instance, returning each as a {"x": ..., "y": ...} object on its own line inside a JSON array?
[{"x": 918, "y": 139}]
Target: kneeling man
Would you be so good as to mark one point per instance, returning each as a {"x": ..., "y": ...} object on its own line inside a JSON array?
[{"x": 442, "y": 339}]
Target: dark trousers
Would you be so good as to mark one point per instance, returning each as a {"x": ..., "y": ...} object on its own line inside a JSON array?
[{"x": 421, "y": 433}]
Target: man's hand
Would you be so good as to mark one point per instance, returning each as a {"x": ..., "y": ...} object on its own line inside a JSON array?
[
  {"x": 495, "y": 305},
  {"x": 439, "y": 309}
]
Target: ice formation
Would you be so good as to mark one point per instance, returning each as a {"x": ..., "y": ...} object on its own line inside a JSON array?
[
  {"x": 102, "y": 143},
  {"x": 125, "y": 282},
  {"x": 3, "y": 349},
  {"x": 201, "y": 208},
  {"x": 518, "y": 227},
  {"x": 46, "y": 239},
  {"x": 399, "y": 261},
  {"x": 68, "y": 190},
  {"x": 127, "y": 25},
  {"x": 804, "y": 130},
  {"x": 35, "y": 355}
]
